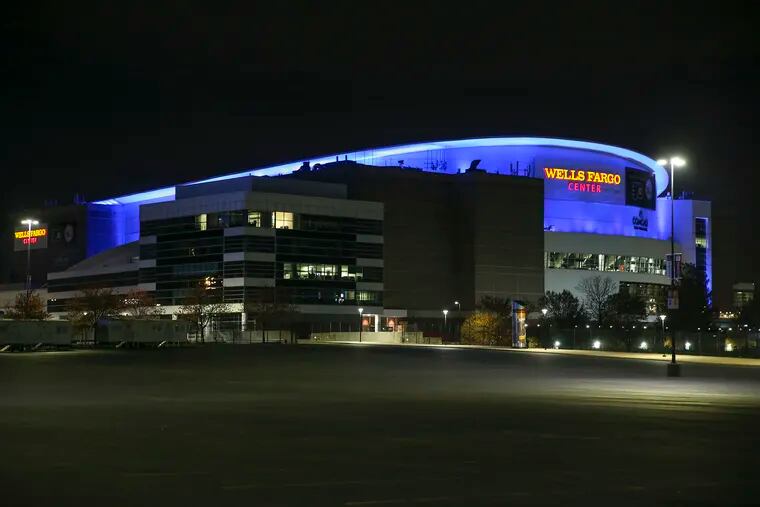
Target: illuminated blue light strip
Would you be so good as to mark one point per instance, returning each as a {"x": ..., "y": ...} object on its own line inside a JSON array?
[{"x": 369, "y": 156}]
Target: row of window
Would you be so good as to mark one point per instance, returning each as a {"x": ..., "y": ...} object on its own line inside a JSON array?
[
  {"x": 269, "y": 219},
  {"x": 212, "y": 248},
  {"x": 327, "y": 248},
  {"x": 259, "y": 218},
  {"x": 342, "y": 272},
  {"x": 262, "y": 269},
  {"x": 604, "y": 262},
  {"x": 178, "y": 295},
  {"x": 122, "y": 279}
]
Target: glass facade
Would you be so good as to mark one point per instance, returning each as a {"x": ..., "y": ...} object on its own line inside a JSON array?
[
  {"x": 700, "y": 240},
  {"x": 314, "y": 262},
  {"x": 653, "y": 294},
  {"x": 73, "y": 284},
  {"x": 604, "y": 262}
]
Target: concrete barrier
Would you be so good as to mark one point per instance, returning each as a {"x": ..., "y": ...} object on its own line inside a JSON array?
[{"x": 415, "y": 337}]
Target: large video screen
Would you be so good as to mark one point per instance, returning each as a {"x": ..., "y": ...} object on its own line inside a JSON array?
[{"x": 640, "y": 188}]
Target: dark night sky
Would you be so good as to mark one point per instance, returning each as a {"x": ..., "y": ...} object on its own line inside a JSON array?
[{"x": 104, "y": 100}]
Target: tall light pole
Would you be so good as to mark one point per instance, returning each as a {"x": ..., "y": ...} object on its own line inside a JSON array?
[
  {"x": 29, "y": 222},
  {"x": 459, "y": 307},
  {"x": 662, "y": 318},
  {"x": 361, "y": 324},
  {"x": 545, "y": 311},
  {"x": 445, "y": 313},
  {"x": 674, "y": 162}
]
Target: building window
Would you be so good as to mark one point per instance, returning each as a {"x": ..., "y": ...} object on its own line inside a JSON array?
[
  {"x": 297, "y": 271},
  {"x": 700, "y": 240},
  {"x": 282, "y": 219},
  {"x": 201, "y": 222},
  {"x": 254, "y": 218},
  {"x": 603, "y": 262},
  {"x": 700, "y": 232}
]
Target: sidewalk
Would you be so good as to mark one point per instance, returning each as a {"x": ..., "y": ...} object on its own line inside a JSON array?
[{"x": 642, "y": 356}]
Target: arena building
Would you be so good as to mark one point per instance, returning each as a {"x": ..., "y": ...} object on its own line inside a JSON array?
[{"x": 402, "y": 231}]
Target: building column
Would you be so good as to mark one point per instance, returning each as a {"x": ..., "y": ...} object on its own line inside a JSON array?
[{"x": 377, "y": 323}]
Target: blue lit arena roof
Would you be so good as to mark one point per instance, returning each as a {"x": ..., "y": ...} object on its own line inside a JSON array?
[{"x": 458, "y": 152}]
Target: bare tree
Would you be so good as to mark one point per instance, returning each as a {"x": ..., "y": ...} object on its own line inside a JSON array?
[
  {"x": 272, "y": 315},
  {"x": 93, "y": 305},
  {"x": 596, "y": 291},
  {"x": 201, "y": 309},
  {"x": 28, "y": 305},
  {"x": 141, "y": 305}
]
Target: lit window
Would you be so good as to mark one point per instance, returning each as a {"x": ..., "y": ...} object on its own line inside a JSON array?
[
  {"x": 201, "y": 221},
  {"x": 282, "y": 219},
  {"x": 254, "y": 218}
]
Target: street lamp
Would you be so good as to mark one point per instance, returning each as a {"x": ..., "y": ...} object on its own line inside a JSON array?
[
  {"x": 545, "y": 311},
  {"x": 459, "y": 307},
  {"x": 674, "y": 162},
  {"x": 29, "y": 222},
  {"x": 361, "y": 324},
  {"x": 662, "y": 318}
]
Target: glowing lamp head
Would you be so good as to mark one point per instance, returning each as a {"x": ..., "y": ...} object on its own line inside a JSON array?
[
  {"x": 663, "y": 317},
  {"x": 644, "y": 346},
  {"x": 556, "y": 344},
  {"x": 544, "y": 311},
  {"x": 445, "y": 312},
  {"x": 361, "y": 310},
  {"x": 687, "y": 345},
  {"x": 597, "y": 344},
  {"x": 30, "y": 221},
  {"x": 675, "y": 161}
]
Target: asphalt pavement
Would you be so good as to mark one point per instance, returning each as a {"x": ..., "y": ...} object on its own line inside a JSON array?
[{"x": 365, "y": 425}]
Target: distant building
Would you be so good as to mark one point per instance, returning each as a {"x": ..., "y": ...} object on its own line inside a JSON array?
[{"x": 743, "y": 294}]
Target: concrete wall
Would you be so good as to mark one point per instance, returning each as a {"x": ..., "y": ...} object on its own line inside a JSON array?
[
  {"x": 379, "y": 337},
  {"x": 451, "y": 237}
]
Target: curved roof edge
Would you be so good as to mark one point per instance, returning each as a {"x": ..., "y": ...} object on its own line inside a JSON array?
[{"x": 367, "y": 156}]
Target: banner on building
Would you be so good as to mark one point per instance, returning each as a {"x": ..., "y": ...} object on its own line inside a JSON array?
[{"x": 519, "y": 316}]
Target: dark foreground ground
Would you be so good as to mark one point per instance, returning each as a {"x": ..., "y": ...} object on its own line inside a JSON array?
[{"x": 365, "y": 426}]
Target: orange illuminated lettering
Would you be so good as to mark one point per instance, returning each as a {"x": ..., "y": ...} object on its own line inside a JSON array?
[
  {"x": 34, "y": 233},
  {"x": 575, "y": 175}
]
